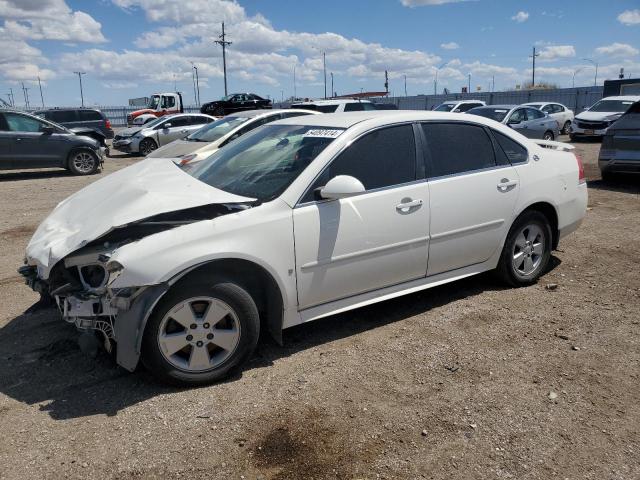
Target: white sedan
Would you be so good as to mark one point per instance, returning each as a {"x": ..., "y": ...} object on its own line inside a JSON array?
[
  {"x": 563, "y": 115},
  {"x": 297, "y": 220}
]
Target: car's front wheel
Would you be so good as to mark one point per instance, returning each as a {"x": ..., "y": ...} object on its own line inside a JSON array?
[
  {"x": 526, "y": 251},
  {"x": 200, "y": 332},
  {"x": 566, "y": 128},
  {"x": 548, "y": 135},
  {"x": 147, "y": 146},
  {"x": 83, "y": 162}
]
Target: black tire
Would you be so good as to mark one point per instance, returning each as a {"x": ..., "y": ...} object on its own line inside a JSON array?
[
  {"x": 83, "y": 162},
  {"x": 147, "y": 146},
  {"x": 226, "y": 291},
  {"x": 608, "y": 177},
  {"x": 565, "y": 128},
  {"x": 218, "y": 112},
  {"x": 506, "y": 270},
  {"x": 548, "y": 135},
  {"x": 573, "y": 138}
]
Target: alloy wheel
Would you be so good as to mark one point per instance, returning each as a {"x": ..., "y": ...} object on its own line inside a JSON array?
[
  {"x": 528, "y": 250},
  {"x": 199, "y": 334},
  {"x": 84, "y": 162}
]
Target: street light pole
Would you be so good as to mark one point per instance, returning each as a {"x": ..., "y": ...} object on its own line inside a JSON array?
[
  {"x": 295, "y": 92},
  {"x": 595, "y": 64},
  {"x": 324, "y": 69},
  {"x": 224, "y": 45},
  {"x": 573, "y": 82},
  {"x": 435, "y": 82},
  {"x": 405, "y": 85},
  {"x": 41, "y": 96},
  {"x": 197, "y": 85},
  {"x": 80, "y": 79},
  {"x": 332, "y": 91}
]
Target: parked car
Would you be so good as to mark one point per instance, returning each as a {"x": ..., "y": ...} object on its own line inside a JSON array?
[
  {"x": 459, "y": 106},
  {"x": 147, "y": 138},
  {"x": 236, "y": 102},
  {"x": 97, "y": 124},
  {"x": 557, "y": 111},
  {"x": 208, "y": 139},
  {"x": 295, "y": 221},
  {"x": 528, "y": 121},
  {"x": 336, "y": 106},
  {"x": 28, "y": 141},
  {"x": 620, "y": 149},
  {"x": 594, "y": 121}
]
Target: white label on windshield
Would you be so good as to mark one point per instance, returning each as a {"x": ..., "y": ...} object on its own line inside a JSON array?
[{"x": 323, "y": 133}]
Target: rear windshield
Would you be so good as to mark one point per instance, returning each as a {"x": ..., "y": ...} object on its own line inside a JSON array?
[
  {"x": 611, "y": 106},
  {"x": 496, "y": 114},
  {"x": 216, "y": 130},
  {"x": 317, "y": 108},
  {"x": 264, "y": 162}
]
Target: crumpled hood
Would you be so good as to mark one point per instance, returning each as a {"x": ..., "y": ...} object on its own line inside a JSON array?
[
  {"x": 176, "y": 149},
  {"x": 596, "y": 116},
  {"x": 148, "y": 188},
  {"x": 129, "y": 132}
]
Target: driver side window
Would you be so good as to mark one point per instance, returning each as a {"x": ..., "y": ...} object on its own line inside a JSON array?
[
  {"x": 382, "y": 158},
  {"x": 21, "y": 123}
]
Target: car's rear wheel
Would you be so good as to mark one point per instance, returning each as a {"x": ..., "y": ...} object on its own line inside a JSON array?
[
  {"x": 548, "y": 135},
  {"x": 147, "y": 146},
  {"x": 83, "y": 162},
  {"x": 526, "y": 251},
  {"x": 566, "y": 127},
  {"x": 200, "y": 332}
]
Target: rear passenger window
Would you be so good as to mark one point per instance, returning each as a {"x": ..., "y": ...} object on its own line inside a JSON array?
[
  {"x": 89, "y": 115},
  {"x": 327, "y": 108},
  {"x": 515, "y": 152},
  {"x": 457, "y": 148},
  {"x": 353, "y": 107},
  {"x": 63, "y": 116},
  {"x": 380, "y": 159}
]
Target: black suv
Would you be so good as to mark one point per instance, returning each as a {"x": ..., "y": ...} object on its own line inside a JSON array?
[{"x": 93, "y": 121}]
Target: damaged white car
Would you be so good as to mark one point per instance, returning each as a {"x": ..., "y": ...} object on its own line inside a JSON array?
[{"x": 298, "y": 220}]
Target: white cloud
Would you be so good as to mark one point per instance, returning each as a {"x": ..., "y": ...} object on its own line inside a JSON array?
[
  {"x": 449, "y": 46},
  {"x": 484, "y": 69},
  {"x": 629, "y": 17},
  {"x": 425, "y": 3},
  {"x": 555, "y": 52},
  {"x": 520, "y": 17},
  {"x": 617, "y": 50},
  {"x": 49, "y": 20}
]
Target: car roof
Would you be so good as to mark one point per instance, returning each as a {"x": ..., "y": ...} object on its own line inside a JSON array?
[
  {"x": 267, "y": 111},
  {"x": 349, "y": 119},
  {"x": 337, "y": 101},
  {"x": 501, "y": 107},
  {"x": 633, "y": 98}
]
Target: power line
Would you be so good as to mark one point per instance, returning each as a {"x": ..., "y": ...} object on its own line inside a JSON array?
[{"x": 224, "y": 45}]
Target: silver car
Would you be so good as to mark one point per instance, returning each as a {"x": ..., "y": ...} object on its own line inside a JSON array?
[
  {"x": 146, "y": 138},
  {"x": 528, "y": 121}
]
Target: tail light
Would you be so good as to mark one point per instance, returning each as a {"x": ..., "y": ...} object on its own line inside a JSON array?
[
  {"x": 107, "y": 124},
  {"x": 581, "y": 177}
]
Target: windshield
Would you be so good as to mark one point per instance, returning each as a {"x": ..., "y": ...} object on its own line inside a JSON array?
[
  {"x": 226, "y": 98},
  {"x": 445, "y": 107},
  {"x": 264, "y": 162},
  {"x": 611, "y": 106},
  {"x": 155, "y": 122},
  {"x": 154, "y": 102},
  {"x": 496, "y": 114},
  {"x": 216, "y": 130}
]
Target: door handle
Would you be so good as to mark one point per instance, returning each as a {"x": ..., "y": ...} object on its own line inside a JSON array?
[
  {"x": 505, "y": 184},
  {"x": 405, "y": 206}
]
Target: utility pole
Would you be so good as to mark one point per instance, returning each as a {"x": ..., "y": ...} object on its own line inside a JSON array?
[
  {"x": 324, "y": 69},
  {"x": 41, "y": 96},
  {"x": 493, "y": 83},
  {"x": 25, "y": 92},
  {"x": 333, "y": 93},
  {"x": 533, "y": 72},
  {"x": 193, "y": 79},
  {"x": 81, "y": 92},
  {"x": 295, "y": 93},
  {"x": 469, "y": 91},
  {"x": 11, "y": 97},
  {"x": 224, "y": 45},
  {"x": 405, "y": 85},
  {"x": 386, "y": 82},
  {"x": 197, "y": 85}
]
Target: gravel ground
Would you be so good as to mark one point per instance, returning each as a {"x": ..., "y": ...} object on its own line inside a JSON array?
[{"x": 467, "y": 380}]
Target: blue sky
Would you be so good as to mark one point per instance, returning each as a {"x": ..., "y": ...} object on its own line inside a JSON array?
[{"x": 132, "y": 48}]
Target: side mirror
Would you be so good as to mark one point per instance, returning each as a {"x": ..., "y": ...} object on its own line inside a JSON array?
[
  {"x": 457, "y": 110},
  {"x": 341, "y": 186},
  {"x": 48, "y": 129},
  {"x": 513, "y": 122}
]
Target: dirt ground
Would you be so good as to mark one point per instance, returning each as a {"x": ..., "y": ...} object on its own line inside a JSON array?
[{"x": 465, "y": 381}]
